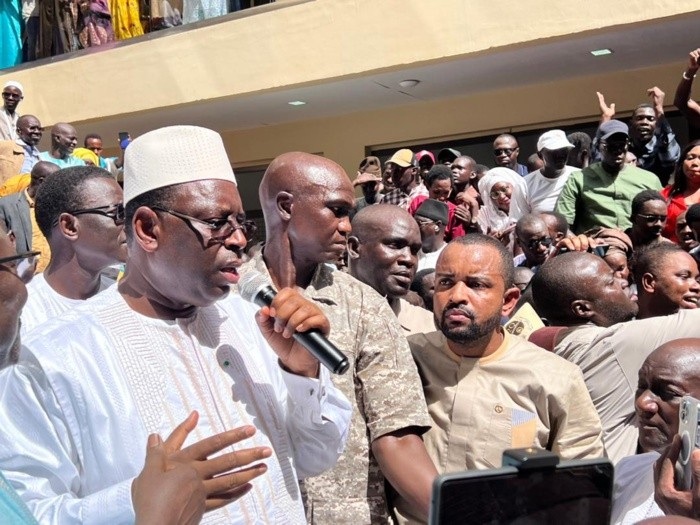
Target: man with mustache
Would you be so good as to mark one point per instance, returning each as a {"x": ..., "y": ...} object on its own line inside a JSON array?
[
  {"x": 306, "y": 201},
  {"x": 670, "y": 372},
  {"x": 383, "y": 251},
  {"x": 488, "y": 391},
  {"x": 94, "y": 383}
]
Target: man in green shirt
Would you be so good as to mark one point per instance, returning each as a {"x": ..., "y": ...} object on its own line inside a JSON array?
[{"x": 602, "y": 193}]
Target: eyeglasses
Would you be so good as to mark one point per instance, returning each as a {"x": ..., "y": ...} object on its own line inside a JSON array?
[
  {"x": 502, "y": 151},
  {"x": 113, "y": 211},
  {"x": 12, "y": 96},
  {"x": 535, "y": 243},
  {"x": 496, "y": 193},
  {"x": 651, "y": 219},
  {"x": 218, "y": 230},
  {"x": 22, "y": 264}
]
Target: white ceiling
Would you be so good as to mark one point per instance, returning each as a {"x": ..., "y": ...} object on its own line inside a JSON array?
[{"x": 634, "y": 47}]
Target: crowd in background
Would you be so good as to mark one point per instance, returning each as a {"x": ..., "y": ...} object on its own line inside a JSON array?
[
  {"x": 32, "y": 29},
  {"x": 551, "y": 304}
]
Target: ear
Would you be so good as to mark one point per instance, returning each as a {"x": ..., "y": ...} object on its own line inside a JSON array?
[
  {"x": 285, "y": 203},
  {"x": 648, "y": 283},
  {"x": 146, "y": 229},
  {"x": 353, "y": 247},
  {"x": 582, "y": 308},
  {"x": 69, "y": 226},
  {"x": 510, "y": 299}
]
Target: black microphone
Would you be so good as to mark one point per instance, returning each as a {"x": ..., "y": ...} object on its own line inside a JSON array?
[{"x": 255, "y": 288}]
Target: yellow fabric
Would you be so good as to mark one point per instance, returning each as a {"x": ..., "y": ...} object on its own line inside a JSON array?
[
  {"x": 39, "y": 242},
  {"x": 87, "y": 155},
  {"x": 126, "y": 19},
  {"x": 15, "y": 184}
]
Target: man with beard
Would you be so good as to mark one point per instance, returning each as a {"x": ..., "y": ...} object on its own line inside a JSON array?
[
  {"x": 80, "y": 211},
  {"x": 602, "y": 193},
  {"x": 652, "y": 139},
  {"x": 488, "y": 391}
]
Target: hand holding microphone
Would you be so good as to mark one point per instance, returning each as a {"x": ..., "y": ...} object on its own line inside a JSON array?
[{"x": 288, "y": 314}]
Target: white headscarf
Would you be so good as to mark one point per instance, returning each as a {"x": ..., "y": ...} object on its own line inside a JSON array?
[{"x": 490, "y": 216}]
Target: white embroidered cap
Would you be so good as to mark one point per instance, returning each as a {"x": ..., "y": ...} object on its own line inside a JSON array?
[
  {"x": 174, "y": 155},
  {"x": 14, "y": 84}
]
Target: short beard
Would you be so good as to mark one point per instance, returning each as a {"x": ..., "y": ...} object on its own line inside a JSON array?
[{"x": 471, "y": 333}]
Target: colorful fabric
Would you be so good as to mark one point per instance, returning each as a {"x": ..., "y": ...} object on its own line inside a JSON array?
[
  {"x": 126, "y": 18},
  {"x": 96, "y": 24},
  {"x": 10, "y": 33},
  {"x": 15, "y": 184},
  {"x": 88, "y": 156}
]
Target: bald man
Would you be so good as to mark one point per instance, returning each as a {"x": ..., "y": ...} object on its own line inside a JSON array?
[
  {"x": 64, "y": 138},
  {"x": 505, "y": 153},
  {"x": 306, "y": 200},
  {"x": 668, "y": 373},
  {"x": 578, "y": 292},
  {"x": 383, "y": 253}
]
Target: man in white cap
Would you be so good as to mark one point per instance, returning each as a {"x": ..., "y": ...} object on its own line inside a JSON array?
[
  {"x": 12, "y": 95},
  {"x": 369, "y": 178},
  {"x": 92, "y": 384},
  {"x": 545, "y": 184}
]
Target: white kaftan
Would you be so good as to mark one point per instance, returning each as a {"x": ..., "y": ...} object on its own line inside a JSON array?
[{"x": 94, "y": 383}]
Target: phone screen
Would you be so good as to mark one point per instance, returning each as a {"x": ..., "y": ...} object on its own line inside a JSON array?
[
  {"x": 123, "y": 135},
  {"x": 566, "y": 494}
]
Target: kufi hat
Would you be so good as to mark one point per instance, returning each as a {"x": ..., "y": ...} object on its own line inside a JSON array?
[
  {"x": 434, "y": 210},
  {"x": 14, "y": 84},
  {"x": 174, "y": 155}
]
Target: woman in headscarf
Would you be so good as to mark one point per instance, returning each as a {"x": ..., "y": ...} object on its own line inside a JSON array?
[
  {"x": 504, "y": 194},
  {"x": 96, "y": 23}
]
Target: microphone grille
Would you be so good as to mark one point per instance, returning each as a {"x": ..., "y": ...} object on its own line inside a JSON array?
[{"x": 250, "y": 284}]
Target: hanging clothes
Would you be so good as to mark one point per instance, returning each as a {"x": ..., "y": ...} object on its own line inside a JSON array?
[{"x": 10, "y": 33}]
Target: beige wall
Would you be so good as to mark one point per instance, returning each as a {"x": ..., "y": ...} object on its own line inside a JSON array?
[
  {"x": 345, "y": 139},
  {"x": 305, "y": 43}
]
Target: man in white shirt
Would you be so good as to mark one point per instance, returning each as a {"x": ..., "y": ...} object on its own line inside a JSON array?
[
  {"x": 545, "y": 185},
  {"x": 93, "y": 384},
  {"x": 12, "y": 95},
  {"x": 81, "y": 213}
]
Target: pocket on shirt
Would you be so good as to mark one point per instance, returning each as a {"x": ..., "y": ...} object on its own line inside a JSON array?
[{"x": 508, "y": 428}]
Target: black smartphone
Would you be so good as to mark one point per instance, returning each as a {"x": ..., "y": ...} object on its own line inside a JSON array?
[{"x": 123, "y": 135}]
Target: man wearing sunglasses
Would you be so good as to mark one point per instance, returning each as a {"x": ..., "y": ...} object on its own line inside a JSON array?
[
  {"x": 532, "y": 235},
  {"x": 81, "y": 213},
  {"x": 602, "y": 193},
  {"x": 505, "y": 154},
  {"x": 12, "y": 95},
  {"x": 18, "y": 212},
  {"x": 94, "y": 383}
]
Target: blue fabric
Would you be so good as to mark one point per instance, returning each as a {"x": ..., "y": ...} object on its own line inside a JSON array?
[
  {"x": 10, "y": 33},
  {"x": 12, "y": 510}
]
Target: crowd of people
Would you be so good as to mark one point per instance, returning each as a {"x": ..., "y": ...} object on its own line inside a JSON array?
[
  {"x": 551, "y": 305},
  {"x": 31, "y": 29}
]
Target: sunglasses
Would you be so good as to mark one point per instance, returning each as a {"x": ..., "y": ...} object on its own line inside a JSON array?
[
  {"x": 651, "y": 219},
  {"x": 12, "y": 96},
  {"x": 217, "y": 230},
  {"x": 504, "y": 151},
  {"x": 535, "y": 243}
]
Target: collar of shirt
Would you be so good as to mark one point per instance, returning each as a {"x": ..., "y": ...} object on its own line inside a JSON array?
[{"x": 29, "y": 150}]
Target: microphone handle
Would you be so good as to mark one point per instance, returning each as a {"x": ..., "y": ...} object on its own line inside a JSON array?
[
  {"x": 313, "y": 340},
  {"x": 323, "y": 350}
]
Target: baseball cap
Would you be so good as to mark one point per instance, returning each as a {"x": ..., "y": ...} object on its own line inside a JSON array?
[
  {"x": 612, "y": 127},
  {"x": 434, "y": 210},
  {"x": 553, "y": 139},
  {"x": 403, "y": 158},
  {"x": 425, "y": 153},
  {"x": 448, "y": 154}
]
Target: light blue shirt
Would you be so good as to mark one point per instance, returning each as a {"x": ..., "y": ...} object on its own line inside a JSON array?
[
  {"x": 31, "y": 156},
  {"x": 68, "y": 162}
]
